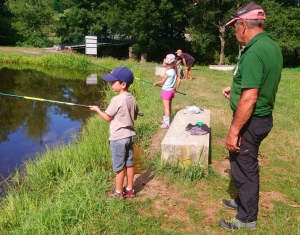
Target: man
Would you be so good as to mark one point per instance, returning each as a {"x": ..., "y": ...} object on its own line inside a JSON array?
[
  {"x": 188, "y": 62},
  {"x": 252, "y": 97}
]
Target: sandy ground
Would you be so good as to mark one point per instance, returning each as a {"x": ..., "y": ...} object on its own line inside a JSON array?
[{"x": 172, "y": 203}]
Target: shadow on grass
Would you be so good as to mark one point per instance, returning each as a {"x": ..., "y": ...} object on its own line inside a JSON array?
[
  {"x": 142, "y": 180},
  {"x": 232, "y": 191}
]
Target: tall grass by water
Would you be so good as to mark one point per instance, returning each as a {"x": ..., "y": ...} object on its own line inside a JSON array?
[{"x": 64, "y": 190}]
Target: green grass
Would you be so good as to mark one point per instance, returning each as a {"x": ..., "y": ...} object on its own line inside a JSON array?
[
  {"x": 63, "y": 190},
  {"x": 180, "y": 171}
]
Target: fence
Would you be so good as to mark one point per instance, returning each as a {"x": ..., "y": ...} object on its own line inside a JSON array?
[{"x": 78, "y": 40}]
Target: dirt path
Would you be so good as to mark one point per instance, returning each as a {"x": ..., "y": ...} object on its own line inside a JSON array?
[
  {"x": 172, "y": 203},
  {"x": 168, "y": 200}
]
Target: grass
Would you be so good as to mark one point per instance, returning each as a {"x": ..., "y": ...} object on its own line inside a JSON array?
[{"x": 63, "y": 191}]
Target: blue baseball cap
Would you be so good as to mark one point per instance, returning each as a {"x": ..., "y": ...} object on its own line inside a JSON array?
[{"x": 122, "y": 74}]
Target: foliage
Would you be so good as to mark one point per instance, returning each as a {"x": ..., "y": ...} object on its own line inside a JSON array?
[
  {"x": 154, "y": 27},
  {"x": 32, "y": 20},
  {"x": 7, "y": 33},
  {"x": 67, "y": 61},
  {"x": 283, "y": 26}
]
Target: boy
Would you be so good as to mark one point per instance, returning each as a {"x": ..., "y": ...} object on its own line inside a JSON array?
[{"x": 121, "y": 113}]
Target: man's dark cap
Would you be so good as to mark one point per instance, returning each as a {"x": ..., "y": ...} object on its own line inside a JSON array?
[{"x": 251, "y": 11}]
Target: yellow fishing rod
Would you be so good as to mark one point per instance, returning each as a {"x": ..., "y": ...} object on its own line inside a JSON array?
[{"x": 52, "y": 101}]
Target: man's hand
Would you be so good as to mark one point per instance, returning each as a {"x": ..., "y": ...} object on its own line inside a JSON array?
[
  {"x": 232, "y": 142},
  {"x": 226, "y": 92}
]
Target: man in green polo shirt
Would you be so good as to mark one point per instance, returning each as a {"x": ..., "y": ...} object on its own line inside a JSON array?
[{"x": 252, "y": 97}]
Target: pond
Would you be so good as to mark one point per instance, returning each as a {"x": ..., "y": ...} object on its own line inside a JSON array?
[{"x": 27, "y": 126}]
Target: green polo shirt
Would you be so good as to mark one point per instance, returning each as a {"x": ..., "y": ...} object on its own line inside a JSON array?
[{"x": 259, "y": 67}]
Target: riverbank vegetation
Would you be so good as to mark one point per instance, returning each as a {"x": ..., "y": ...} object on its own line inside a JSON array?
[{"x": 63, "y": 191}]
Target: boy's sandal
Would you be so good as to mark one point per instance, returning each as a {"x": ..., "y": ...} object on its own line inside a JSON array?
[
  {"x": 128, "y": 193},
  {"x": 115, "y": 194}
]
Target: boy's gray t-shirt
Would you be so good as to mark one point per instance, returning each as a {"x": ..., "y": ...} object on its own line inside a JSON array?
[{"x": 122, "y": 108}]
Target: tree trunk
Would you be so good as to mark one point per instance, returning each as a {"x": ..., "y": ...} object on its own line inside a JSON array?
[
  {"x": 222, "y": 39},
  {"x": 144, "y": 58},
  {"x": 131, "y": 55}
]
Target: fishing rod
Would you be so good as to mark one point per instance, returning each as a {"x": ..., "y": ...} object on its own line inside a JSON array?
[
  {"x": 157, "y": 85},
  {"x": 135, "y": 77},
  {"x": 53, "y": 101}
]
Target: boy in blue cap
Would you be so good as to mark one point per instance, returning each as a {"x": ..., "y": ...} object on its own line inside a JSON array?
[{"x": 121, "y": 113}]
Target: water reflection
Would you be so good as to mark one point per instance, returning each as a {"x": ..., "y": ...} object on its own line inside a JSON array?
[{"x": 27, "y": 126}]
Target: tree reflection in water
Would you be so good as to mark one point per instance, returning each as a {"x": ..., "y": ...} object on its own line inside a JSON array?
[{"x": 27, "y": 126}]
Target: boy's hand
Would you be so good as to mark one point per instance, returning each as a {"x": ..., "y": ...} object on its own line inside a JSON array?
[
  {"x": 154, "y": 84},
  {"x": 104, "y": 115},
  {"x": 94, "y": 108}
]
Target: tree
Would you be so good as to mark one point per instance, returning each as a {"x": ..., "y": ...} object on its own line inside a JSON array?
[
  {"x": 288, "y": 3},
  {"x": 283, "y": 26},
  {"x": 7, "y": 33},
  {"x": 31, "y": 20},
  {"x": 207, "y": 27},
  {"x": 153, "y": 26},
  {"x": 78, "y": 18}
]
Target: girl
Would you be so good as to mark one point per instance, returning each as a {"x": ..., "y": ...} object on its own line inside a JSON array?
[{"x": 168, "y": 82}]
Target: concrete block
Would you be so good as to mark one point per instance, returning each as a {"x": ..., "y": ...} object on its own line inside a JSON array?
[
  {"x": 222, "y": 67},
  {"x": 160, "y": 71},
  {"x": 179, "y": 145}
]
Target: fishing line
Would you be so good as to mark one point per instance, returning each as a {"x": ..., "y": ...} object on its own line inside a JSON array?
[
  {"x": 135, "y": 77},
  {"x": 157, "y": 85}
]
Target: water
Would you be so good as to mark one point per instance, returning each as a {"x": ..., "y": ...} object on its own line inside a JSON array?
[{"x": 27, "y": 126}]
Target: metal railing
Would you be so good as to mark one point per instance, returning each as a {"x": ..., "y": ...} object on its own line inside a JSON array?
[{"x": 79, "y": 40}]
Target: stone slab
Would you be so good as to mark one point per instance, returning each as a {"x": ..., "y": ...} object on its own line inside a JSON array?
[
  {"x": 179, "y": 145},
  {"x": 222, "y": 67},
  {"x": 160, "y": 71}
]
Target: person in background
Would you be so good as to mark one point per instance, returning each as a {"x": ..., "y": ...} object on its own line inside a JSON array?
[
  {"x": 188, "y": 62},
  {"x": 121, "y": 113},
  {"x": 179, "y": 67},
  {"x": 168, "y": 83},
  {"x": 252, "y": 98}
]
